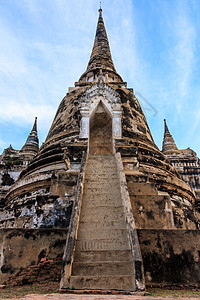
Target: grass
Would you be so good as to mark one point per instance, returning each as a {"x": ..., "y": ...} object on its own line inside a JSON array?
[
  {"x": 52, "y": 287},
  {"x": 173, "y": 293},
  {"x": 21, "y": 291}
]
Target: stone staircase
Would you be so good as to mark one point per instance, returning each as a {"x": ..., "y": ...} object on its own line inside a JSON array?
[{"x": 102, "y": 258}]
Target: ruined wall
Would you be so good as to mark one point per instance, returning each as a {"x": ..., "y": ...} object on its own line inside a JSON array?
[
  {"x": 153, "y": 209},
  {"x": 150, "y": 210},
  {"x": 170, "y": 256},
  {"x": 34, "y": 209},
  {"x": 8, "y": 177},
  {"x": 44, "y": 199},
  {"x": 21, "y": 248},
  {"x": 185, "y": 215}
]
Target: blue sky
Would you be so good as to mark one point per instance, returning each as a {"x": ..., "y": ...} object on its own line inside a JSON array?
[{"x": 46, "y": 45}]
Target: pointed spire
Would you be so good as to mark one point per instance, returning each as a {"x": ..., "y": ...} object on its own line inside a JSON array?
[
  {"x": 101, "y": 56},
  {"x": 166, "y": 128},
  {"x": 169, "y": 146},
  {"x": 31, "y": 147},
  {"x": 35, "y": 125}
]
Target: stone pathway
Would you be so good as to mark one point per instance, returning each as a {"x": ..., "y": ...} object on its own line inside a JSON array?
[{"x": 91, "y": 297}]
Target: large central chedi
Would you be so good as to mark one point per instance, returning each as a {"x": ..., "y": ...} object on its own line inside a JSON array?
[{"x": 100, "y": 174}]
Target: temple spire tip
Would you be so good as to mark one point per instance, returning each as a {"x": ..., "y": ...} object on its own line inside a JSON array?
[
  {"x": 100, "y": 57},
  {"x": 100, "y": 9},
  {"x": 166, "y": 127},
  {"x": 35, "y": 125}
]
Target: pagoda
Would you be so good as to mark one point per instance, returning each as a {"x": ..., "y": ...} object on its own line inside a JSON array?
[{"x": 100, "y": 176}]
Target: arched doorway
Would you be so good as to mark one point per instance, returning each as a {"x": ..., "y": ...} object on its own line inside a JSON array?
[{"x": 100, "y": 134}]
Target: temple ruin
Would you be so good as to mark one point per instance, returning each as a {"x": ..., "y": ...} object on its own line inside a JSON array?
[{"x": 98, "y": 197}]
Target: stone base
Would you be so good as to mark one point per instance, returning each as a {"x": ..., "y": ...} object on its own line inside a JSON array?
[
  {"x": 170, "y": 257},
  {"x": 101, "y": 292},
  {"x": 24, "y": 248}
]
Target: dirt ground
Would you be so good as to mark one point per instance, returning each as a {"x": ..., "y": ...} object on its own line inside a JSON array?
[{"x": 49, "y": 291}]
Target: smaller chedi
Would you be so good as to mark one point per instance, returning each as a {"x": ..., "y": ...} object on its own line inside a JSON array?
[
  {"x": 185, "y": 162},
  {"x": 13, "y": 162}
]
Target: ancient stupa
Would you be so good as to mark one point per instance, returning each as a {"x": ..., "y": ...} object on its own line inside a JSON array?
[
  {"x": 100, "y": 173},
  {"x": 31, "y": 147}
]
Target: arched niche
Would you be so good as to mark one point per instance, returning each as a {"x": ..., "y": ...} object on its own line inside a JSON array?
[
  {"x": 89, "y": 101},
  {"x": 100, "y": 131}
]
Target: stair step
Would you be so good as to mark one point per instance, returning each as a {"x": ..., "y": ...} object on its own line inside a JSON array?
[
  {"x": 102, "y": 268},
  {"x": 102, "y": 224},
  {"x": 96, "y": 193},
  {"x": 101, "y": 160},
  {"x": 93, "y": 256},
  {"x": 101, "y": 216},
  {"x": 102, "y": 175},
  {"x": 102, "y": 190},
  {"x": 92, "y": 200},
  {"x": 102, "y": 210},
  {"x": 101, "y": 181},
  {"x": 95, "y": 165},
  {"x": 106, "y": 203},
  {"x": 103, "y": 234},
  {"x": 117, "y": 282},
  {"x": 103, "y": 186},
  {"x": 101, "y": 169},
  {"x": 102, "y": 244}
]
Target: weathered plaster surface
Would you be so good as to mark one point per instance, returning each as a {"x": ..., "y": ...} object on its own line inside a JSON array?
[
  {"x": 170, "y": 256},
  {"x": 21, "y": 248}
]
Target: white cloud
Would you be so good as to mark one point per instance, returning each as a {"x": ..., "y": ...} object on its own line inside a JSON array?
[
  {"x": 47, "y": 45},
  {"x": 182, "y": 54},
  {"x": 24, "y": 113},
  {"x": 12, "y": 62}
]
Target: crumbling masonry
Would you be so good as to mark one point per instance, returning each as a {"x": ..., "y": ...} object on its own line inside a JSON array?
[{"x": 100, "y": 193}]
